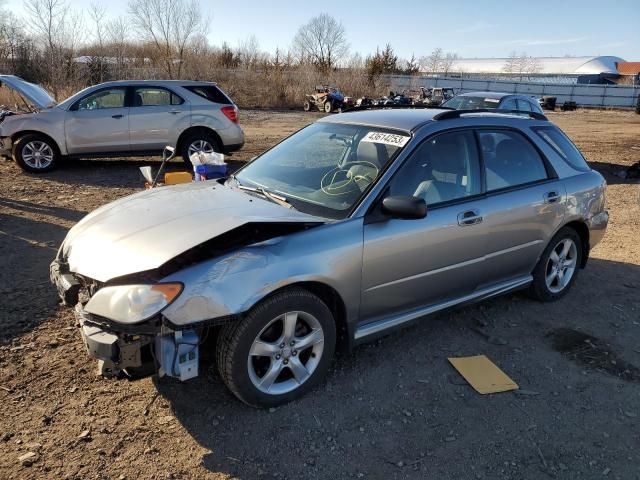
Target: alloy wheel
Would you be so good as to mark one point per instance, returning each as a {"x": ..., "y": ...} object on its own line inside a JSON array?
[
  {"x": 285, "y": 353},
  {"x": 561, "y": 265},
  {"x": 199, "y": 146},
  {"x": 37, "y": 154}
]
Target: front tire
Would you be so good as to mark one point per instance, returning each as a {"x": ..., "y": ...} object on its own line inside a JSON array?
[
  {"x": 328, "y": 106},
  {"x": 279, "y": 351},
  {"x": 558, "y": 266},
  {"x": 35, "y": 153}
]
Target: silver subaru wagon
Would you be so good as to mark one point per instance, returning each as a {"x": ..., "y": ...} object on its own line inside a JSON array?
[
  {"x": 117, "y": 119},
  {"x": 355, "y": 225}
]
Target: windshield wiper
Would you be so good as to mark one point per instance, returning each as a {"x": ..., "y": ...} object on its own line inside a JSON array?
[{"x": 280, "y": 200}]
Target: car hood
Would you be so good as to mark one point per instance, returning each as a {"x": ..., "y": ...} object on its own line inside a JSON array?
[
  {"x": 143, "y": 231},
  {"x": 35, "y": 94}
]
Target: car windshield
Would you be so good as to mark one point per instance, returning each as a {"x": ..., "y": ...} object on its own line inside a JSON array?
[
  {"x": 471, "y": 103},
  {"x": 325, "y": 168}
]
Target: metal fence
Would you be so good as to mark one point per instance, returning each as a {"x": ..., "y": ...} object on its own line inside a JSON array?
[{"x": 584, "y": 95}]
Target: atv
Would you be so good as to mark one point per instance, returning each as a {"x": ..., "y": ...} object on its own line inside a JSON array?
[{"x": 327, "y": 99}]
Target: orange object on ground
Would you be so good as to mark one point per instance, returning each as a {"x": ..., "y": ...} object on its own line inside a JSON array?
[{"x": 173, "y": 178}]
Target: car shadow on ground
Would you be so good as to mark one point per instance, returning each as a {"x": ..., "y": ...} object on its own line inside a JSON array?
[
  {"x": 27, "y": 247},
  {"x": 115, "y": 173},
  {"x": 395, "y": 408},
  {"x": 616, "y": 173}
]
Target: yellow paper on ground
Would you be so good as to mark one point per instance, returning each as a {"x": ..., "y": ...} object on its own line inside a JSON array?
[{"x": 483, "y": 375}]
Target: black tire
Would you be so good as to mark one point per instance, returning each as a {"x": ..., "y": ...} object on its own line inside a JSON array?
[
  {"x": 306, "y": 106},
  {"x": 328, "y": 107},
  {"x": 23, "y": 147},
  {"x": 235, "y": 341},
  {"x": 200, "y": 135},
  {"x": 539, "y": 290}
]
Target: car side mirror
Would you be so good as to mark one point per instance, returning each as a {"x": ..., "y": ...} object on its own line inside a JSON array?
[{"x": 404, "y": 207}]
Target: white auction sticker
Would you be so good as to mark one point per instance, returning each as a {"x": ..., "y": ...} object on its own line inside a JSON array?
[{"x": 386, "y": 138}]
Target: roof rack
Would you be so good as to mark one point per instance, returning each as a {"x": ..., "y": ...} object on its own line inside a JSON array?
[
  {"x": 458, "y": 113},
  {"x": 393, "y": 106}
]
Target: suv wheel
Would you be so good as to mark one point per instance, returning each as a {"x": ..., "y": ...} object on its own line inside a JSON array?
[
  {"x": 35, "y": 153},
  {"x": 558, "y": 266},
  {"x": 199, "y": 142},
  {"x": 279, "y": 351}
]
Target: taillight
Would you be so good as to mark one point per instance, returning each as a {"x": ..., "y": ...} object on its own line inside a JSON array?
[{"x": 231, "y": 112}]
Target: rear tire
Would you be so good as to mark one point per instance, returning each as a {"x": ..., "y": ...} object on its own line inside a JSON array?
[
  {"x": 36, "y": 153},
  {"x": 264, "y": 362},
  {"x": 558, "y": 267},
  {"x": 199, "y": 141},
  {"x": 328, "y": 106},
  {"x": 306, "y": 106}
]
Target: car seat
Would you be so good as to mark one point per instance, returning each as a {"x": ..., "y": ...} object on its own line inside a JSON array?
[
  {"x": 371, "y": 153},
  {"x": 137, "y": 100},
  {"x": 444, "y": 174}
]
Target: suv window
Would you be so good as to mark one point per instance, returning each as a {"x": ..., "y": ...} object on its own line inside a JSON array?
[
  {"x": 509, "y": 159},
  {"x": 154, "y": 96},
  {"x": 563, "y": 146},
  {"x": 210, "y": 92},
  {"x": 509, "y": 104},
  {"x": 108, "y": 98},
  {"x": 524, "y": 105},
  {"x": 441, "y": 169}
]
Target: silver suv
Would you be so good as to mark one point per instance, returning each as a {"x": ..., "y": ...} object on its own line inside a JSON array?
[
  {"x": 353, "y": 226},
  {"x": 118, "y": 119}
]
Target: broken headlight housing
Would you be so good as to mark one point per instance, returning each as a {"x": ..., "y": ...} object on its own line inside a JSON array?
[{"x": 132, "y": 303}]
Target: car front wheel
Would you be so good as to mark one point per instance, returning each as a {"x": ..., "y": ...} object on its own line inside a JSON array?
[
  {"x": 199, "y": 142},
  {"x": 35, "y": 153},
  {"x": 558, "y": 266},
  {"x": 279, "y": 351}
]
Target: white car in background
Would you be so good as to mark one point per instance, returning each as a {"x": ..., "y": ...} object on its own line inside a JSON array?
[{"x": 133, "y": 117}]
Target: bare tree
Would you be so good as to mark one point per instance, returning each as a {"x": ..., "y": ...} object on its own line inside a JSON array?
[
  {"x": 448, "y": 61},
  {"x": 321, "y": 41},
  {"x": 432, "y": 63},
  {"x": 511, "y": 63},
  {"x": 117, "y": 38},
  {"x": 58, "y": 30},
  {"x": 249, "y": 52},
  {"x": 168, "y": 25}
]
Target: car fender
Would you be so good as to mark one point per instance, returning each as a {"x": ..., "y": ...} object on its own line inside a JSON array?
[
  {"x": 232, "y": 284},
  {"x": 48, "y": 122}
]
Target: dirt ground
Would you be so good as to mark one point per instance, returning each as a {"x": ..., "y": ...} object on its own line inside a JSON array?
[{"x": 391, "y": 409}]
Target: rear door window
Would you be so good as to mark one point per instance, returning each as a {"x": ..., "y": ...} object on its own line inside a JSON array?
[
  {"x": 154, "y": 97},
  {"x": 509, "y": 104},
  {"x": 510, "y": 160},
  {"x": 563, "y": 147},
  {"x": 210, "y": 92},
  {"x": 524, "y": 106}
]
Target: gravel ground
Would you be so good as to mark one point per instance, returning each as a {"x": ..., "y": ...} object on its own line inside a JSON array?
[{"x": 391, "y": 409}]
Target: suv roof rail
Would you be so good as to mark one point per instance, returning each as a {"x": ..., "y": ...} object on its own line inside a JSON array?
[{"x": 458, "y": 113}]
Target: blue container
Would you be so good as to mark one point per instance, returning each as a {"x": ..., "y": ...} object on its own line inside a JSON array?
[{"x": 211, "y": 171}]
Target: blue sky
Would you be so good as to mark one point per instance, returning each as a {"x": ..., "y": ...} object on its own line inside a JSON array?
[{"x": 489, "y": 28}]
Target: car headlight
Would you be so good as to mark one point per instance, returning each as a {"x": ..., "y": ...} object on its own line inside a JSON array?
[{"x": 132, "y": 303}]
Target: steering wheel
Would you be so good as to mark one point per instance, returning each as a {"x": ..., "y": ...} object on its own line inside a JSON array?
[{"x": 341, "y": 181}]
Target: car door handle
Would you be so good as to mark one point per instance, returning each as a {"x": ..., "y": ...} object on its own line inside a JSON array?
[
  {"x": 470, "y": 217},
  {"x": 551, "y": 197},
  {"x": 119, "y": 115},
  {"x": 174, "y": 111}
]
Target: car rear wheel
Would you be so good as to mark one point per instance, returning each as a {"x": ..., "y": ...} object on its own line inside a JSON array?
[
  {"x": 36, "y": 153},
  {"x": 279, "y": 351},
  {"x": 558, "y": 266},
  {"x": 199, "y": 142}
]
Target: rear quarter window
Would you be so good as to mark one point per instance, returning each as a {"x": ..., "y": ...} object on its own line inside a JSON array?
[
  {"x": 210, "y": 92},
  {"x": 564, "y": 147}
]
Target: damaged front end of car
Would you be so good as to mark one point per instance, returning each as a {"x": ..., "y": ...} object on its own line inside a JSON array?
[{"x": 124, "y": 321}]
